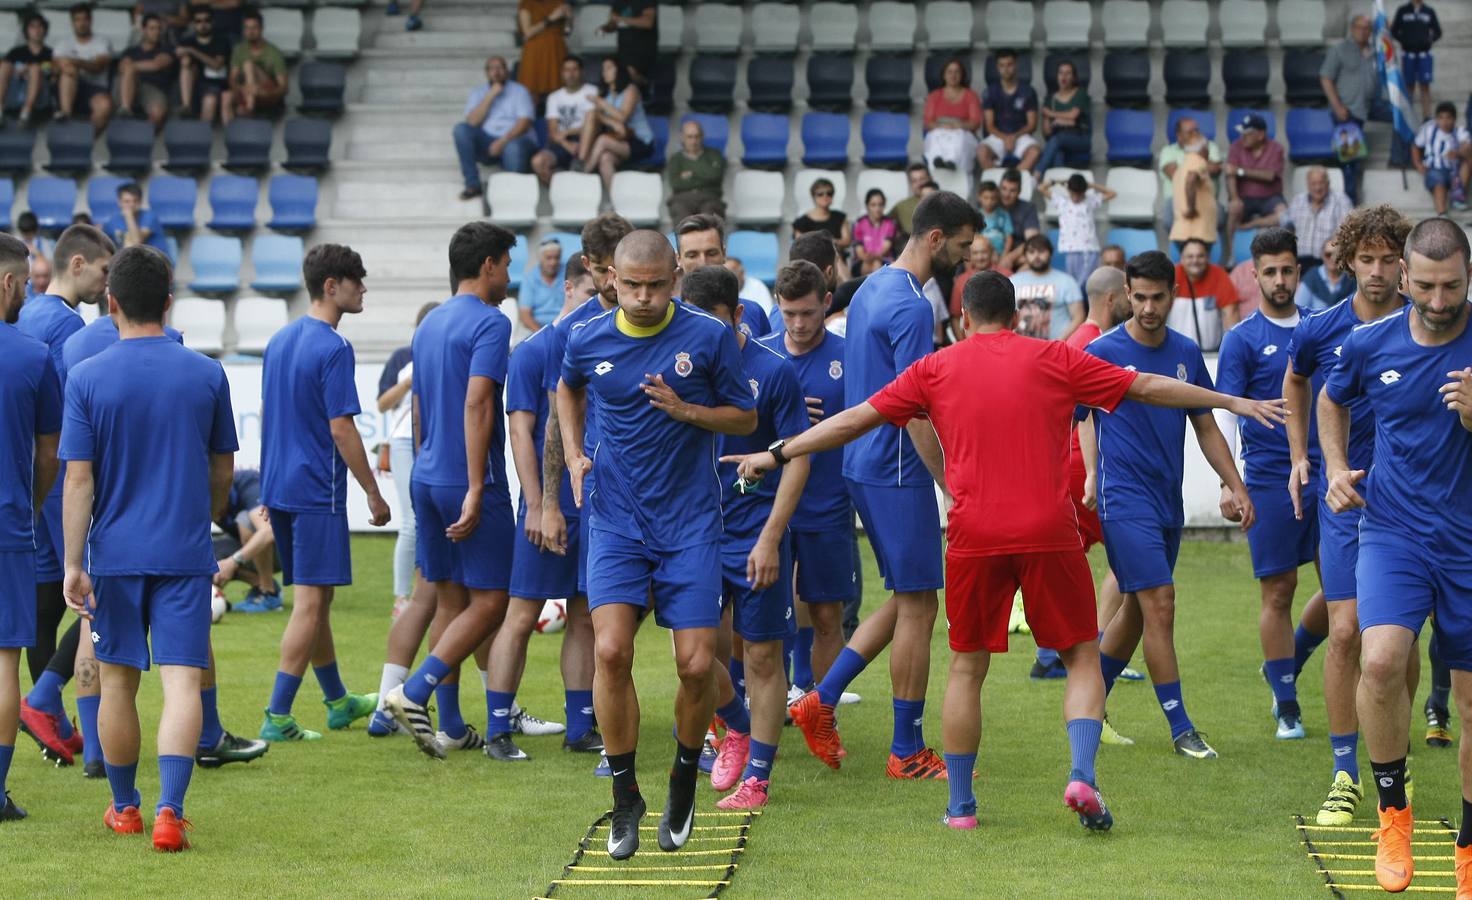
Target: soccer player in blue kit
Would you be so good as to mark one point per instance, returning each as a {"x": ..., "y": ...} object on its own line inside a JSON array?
[
  {"x": 701, "y": 241},
  {"x": 1412, "y": 372},
  {"x": 756, "y": 554},
  {"x": 30, "y": 422},
  {"x": 143, "y": 406},
  {"x": 462, "y": 502},
  {"x": 663, "y": 379},
  {"x": 308, "y": 445},
  {"x": 891, "y": 474},
  {"x": 1252, "y": 360},
  {"x": 1140, "y": 457},
  {"x": 1369, "y": 243}
]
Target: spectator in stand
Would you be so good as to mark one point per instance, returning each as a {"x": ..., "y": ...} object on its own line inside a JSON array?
[
  {"x": 229, "y": 18},
  {"x": 413, "y": 22},
  {"x": 637, "y": 24},
  {"x": 1050, "y": 304},
  {"x": 1194, "y": 197},
  {"x": 1441, "y": 153},
  {"x": 1415, "y": 27},
  {"x": 541, "y": 294},
  {"x": 823, "y": 217},
  {"x": 204, "y": 66},
  {"x": 1010, "y": 109},
  {"x": 996, "y": 224},
  {"x": 1206, "y": 302},
  {"x": 1074, "y": 208},
  {"x": 1352, "y": 84},
  {"x": 1024, "y": 215},
  {"x": 84, "y": 66},
  {"x": 874, "y": 234},
  {"x": 1113, "y": 257},
  {"x": 1254, "y": 181},
  {"x": 981, "y": 258},
  {"x": 696, "y": 174},
  {"x": 1315, "y": 214},
  {"x": 904, "y": 211},
  {"x": 753, "y": 290},
  {"x": 28, "y": 229},
  {"x": 1188, "y": 137},
  {"x": 567, "y": 110},
  {"x": 617, "y": 131},
  {"x": 31, "y": 62},
  {"x": 497, "y": 127},
  {"x": 40, "y": 279},
  {"x": 1325, "y": 284},
  {"x": 132, "y": 224},
  {"x": 173, "y": 13},
  {"x": 1066, "y": 123},
  {"x": 952, "y": 116},
  {"x": 146, "y": 75},
  {"x": 1244, "y": 281},
  {"x": 543, "y": 25},
  {"x": 258, "y": 76}
]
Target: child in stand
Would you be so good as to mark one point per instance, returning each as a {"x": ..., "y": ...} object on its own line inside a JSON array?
[
  {"x": 996, "y": 223},
  {"x": 1074, "y": 208}
]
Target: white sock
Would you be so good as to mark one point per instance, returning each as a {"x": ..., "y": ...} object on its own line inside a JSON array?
[
  {"x": 393, "y": 676},
  {"x": 485, "y": 679}
]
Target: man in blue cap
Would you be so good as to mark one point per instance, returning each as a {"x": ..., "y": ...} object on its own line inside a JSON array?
[{"x": 1254, "y": 173}]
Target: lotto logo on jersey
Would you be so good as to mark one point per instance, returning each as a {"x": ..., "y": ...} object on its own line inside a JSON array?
[
  {"x": 835, "y": 369},
  {"x": 683, "y": 365},
  {"x": 756, "y": 389},
  {"x": 1180, "y": 371},
  {"x": 1338, "y": 350},
  {"x": 1270, "y": 349},
  {"x": 1389, "y": 376},
  {"x": 603, "y": 368}
]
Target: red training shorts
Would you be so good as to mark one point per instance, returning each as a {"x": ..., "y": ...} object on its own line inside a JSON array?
[
  {"x": 1088, "y": 520},
  {"x": 1057, "y": 593}
]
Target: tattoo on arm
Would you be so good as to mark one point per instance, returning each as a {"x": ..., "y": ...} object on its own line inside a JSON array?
[{"x": 552, "y": 458}]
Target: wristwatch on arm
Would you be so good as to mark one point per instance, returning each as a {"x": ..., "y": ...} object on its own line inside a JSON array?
[{"x": 775, "y": 448}]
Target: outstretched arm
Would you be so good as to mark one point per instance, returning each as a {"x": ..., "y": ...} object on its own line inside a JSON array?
[
  {"x": 1157, "y": 390},
  {"x": 827, "y": 434}
]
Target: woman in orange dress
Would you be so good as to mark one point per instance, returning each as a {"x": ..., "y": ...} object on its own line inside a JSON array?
[{"x": 543, "y": 25}]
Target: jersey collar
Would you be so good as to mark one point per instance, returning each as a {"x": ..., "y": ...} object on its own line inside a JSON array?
[{"x": 642, "y": 331}]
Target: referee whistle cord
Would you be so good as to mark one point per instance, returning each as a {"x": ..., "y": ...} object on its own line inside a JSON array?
[{"x": 1345, "y": 855}]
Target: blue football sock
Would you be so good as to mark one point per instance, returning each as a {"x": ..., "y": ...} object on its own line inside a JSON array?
[
  {"x": 283, "y": 695},
  {"x": 1111, "y": 668},
  {"x": 578, "y": 707},
  {"x": 802, "y": 658},
  {"x": 87, "y": 719},
  {"x": 422, "y": 683},
  {"x": 447, "y": 699},
  {"x": 735, "y": 716},
  {"x": 210, "y": 729},
  {"x": 173, "y": 782},
  {"x": 909, "y": 727},
  {"x": 846, "y": 667},
  {"x": 1305, "y": 642},
  {"x": 7, "y": 751},
  {"x": 1346, "y": 753},
  {"x": 331, "y": 682},
  {"x": 123, "y": 780},
  {"x": 64, "y": 729},
  {"x": 1083, "y": 748},
  {"x": 1047, "y": 657},
  {"x": 789, "y": 647},
  {"x": 1174, "y": 708},
  {"x": 1279, "y": 673},
  {"x": 45, "y": 694},
  {"x": 737, "y": 668},
  {"x": 498, "y": 712},
  {"x": 959, "y": 767},
  {"x": 759, "y": 764}
]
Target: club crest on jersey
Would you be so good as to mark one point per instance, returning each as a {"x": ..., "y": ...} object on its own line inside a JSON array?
[
  {"x": 1180, "y": 371},
  {"x": 835, "y": 369},
  {"x": 683, "y": 366},
  {"x": 756, "y": 390}
]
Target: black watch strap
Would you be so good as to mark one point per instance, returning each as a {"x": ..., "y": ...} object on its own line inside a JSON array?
[{"x": 776, "y": 450}]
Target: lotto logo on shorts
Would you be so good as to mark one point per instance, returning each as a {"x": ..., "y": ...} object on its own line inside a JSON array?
[
  {"x": 683, "y": 366},
  {"x": 835, "y": 369}
]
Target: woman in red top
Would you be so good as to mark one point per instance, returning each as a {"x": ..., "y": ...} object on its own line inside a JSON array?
[{"x": 952, "y": 115}]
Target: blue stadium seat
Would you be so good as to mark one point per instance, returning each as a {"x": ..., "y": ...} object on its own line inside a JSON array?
[
  {"x": 52, "y": 200},
  {"x": 886, "y": 139},
  {"x": 830, "y": 81},
  {"x": 757, "y": 251},
  {"x": 764, "y": 139},
  {"x": 233, "y": 203},
  {"x": 171, "y": 198},
  {"x": 770, "y": 80},
  {"x": 1205, "y": 120},
  {"x": 1245, "y": 76},
  {"x": 712, "y": 83},
  {"x": 1301, "y": 85},
  {"x": 70, "y": 145},
  {"x": 1310, "y": 134},
  {"x": 660, "y": 125},
  {"x": 518, "y": 264},
  {"x": 17, "y": 143},
  {"x": 187, "y": 143},
  {"x": 888, "y": 79},
  {"x": 1133, "y": 240},
  {"x": 293, "y": 203},
  {"x": 309, "y": 144},
  {"x": 1024, "y": 69},
  {"x": 277, "y": 260},
  {"x": 825, "y": 140},
  {"x": 1126, "y": 78},
  {"x": 130, "y": 147},
  {"x": 216, "y": 263},
  {"x": 102, "y": 196},
  {"x": 716, "y": 129},
  {"x": 322, "y": 86},
  {"x": 1242, "y": 244},
  {"x": 1080, "y": 60},
  {"x": 1187, "y": 78},
  {"x": 1235, "y": 117},
  {"x": 248, "y": 146},
  {"x": 1129, "y": 133}
]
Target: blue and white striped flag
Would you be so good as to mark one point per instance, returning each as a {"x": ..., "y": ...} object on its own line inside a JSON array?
[{"x": 1402, "y": 113}]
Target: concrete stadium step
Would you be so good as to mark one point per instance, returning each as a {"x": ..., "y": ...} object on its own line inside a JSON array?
[
  {"x": 406, "y": 198},
  {"x": 419, "y": 139},
  {"x": 468, "y": 33},
  {"x": 406, "y": 251}
]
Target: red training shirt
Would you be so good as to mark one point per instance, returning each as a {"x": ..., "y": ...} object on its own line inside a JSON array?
[
  {"x": 1003, "y": 406},
  {"x": 1082, "y": 336}
]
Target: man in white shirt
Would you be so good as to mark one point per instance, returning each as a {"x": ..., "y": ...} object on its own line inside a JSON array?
[
  {"x": 566, "y": 108},
  {"x": 83, "y": 62}
]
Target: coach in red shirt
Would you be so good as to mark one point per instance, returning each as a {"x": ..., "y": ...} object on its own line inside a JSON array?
[{"x": 1013, "y": 524}]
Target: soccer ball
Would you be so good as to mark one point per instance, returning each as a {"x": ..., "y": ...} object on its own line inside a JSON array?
[
  {"x": 217, "y": 603},
  {"x": 553, "y": 618}
]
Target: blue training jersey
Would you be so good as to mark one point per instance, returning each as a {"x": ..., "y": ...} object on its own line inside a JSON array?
[
  {"x": 890, "y": 325},
  {"x": 753, "y": 322},
  {"x": 657, "y": 480},
  {"x": 100, "y": 334},
  {"x": 1251, "y": 364},
  {"x": 463, "y": 338},
  {"x": 1420, "y": 478},
  {"x": 1142, "y": 454},
  {"x": 825, "y": 504},
  {"x": 526, "y": 373},
  {"x": 306, "y": 382},
  {"x": 149, "y": 414},
  {"x": 30, "y": 404},
  {"x": 781, "y": 413},
  {"x": 590, "y": 309},
  {"x": 48, "y": 318}
]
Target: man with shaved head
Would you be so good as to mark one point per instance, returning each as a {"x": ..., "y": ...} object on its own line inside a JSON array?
[{"x": 664, "y": 379}]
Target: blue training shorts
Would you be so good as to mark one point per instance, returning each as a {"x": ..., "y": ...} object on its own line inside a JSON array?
[
  {"x": 827, "y": 567},
  {"x": 538, "y": 574},
  {"x": 481, "y": 562},
  {"x": 1416, "y": 68},
  {"x": 686, "y": 583},
  {"x": 18, "y": 598},
  {"x": 1279, "y": 542},
  {"x": 903, "y": 525},
  {"x": 313, "y": 547},
  {"x": 584, "y": 530},
  {"x": 1141, "y": 553},
  {"x": 172, "y": 611},
  {"x": 1339, "y": 546},
  {"x": 1401, "y": 583},
  {"x": 759, "y": 615}
]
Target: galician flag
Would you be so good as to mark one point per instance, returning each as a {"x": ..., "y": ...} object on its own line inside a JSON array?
[{"x": 1391, "y": 80}]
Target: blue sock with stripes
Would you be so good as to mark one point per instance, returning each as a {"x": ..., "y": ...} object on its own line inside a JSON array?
[
  {"x": 909, "y": 727},
  {"x": 1174, "y": 708},
  {"x": 735, "y": 716},
  {"x": 1279, "y": 673},
  {"x": 1305, "y": 642},
  {"x": 498, "y": 712},
  {"x": 45, "y": 694},
  {"x": 173, "y": 781},
  {"x": 447, "y": 699},
  {"x": 1111, "y": 668},
  {"x": 283, "y": 694},
  {"x": 210, "y": 729},
  {"x": 578, "y": 706},
  {"x": 802, "y": 658},
  {"x": 1083, "y": 748},
  {"x": 422, "y": 683},
  {"x": 759, "y": 764},
  {"x": 959, "y": 767},
  {"x": 1346, "y": 753},
  {"x": 846, "y": 667},
  {"x": 123, "y": 780},
  {"x": 87, "y": 719},
  {"x": 331, "y": 682}
]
